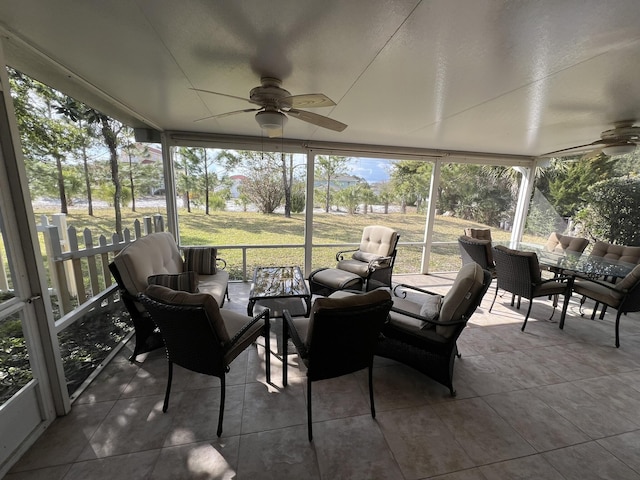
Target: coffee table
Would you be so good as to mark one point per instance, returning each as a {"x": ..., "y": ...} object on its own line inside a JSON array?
[{"x": 280, "y": 288}]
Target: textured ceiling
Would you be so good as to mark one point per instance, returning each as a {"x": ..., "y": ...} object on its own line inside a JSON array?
[{"x": 510, "y": 77}]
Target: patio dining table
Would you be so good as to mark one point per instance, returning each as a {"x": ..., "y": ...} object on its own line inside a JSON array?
[{"x": 581, "y": 264}]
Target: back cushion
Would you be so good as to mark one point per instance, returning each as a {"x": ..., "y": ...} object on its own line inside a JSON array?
[
  {"x": 174, "y": 297},
  {"x": 561, "y": 243},
  {"x": 630, "y": 280},
  {"x": 459, "y": 298},
  {"x": 378, "y": 240},
  {"x": 151, "y": 255},
  {"x": 479, "y": 233},
  {"x": 621, "y": 253}
]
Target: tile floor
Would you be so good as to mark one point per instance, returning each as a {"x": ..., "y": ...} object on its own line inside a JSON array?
[{"x": 543, "y": 404}]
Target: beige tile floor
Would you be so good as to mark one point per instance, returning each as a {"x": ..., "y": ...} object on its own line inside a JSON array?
[{"x": 543, "y": 404}]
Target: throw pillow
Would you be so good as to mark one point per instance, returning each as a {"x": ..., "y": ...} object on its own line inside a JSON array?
[
  {"x": 431, "y": 309},
  {"x": 186, "y": 281},
  {"x": 201, "y": 260},
  {"x": 364, "y": 256}
]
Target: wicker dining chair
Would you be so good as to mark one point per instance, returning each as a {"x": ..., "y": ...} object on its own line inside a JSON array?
[
  {"x": 200, "y": 337},
  {"x": 519, "y": 273}
]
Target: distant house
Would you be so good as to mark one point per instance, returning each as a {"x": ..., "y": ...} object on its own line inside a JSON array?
[
  {"x": 235, "y": 185},
  {"x": 340, "y": 182}
]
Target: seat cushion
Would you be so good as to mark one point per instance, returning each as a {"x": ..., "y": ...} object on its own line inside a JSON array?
[
  {"x": 595, "y": 291},
  {"x": 628, "y": 282},
  {"x": 354, "y": 266},
  {"x": 233, "y": 322},
  {"x": 337, "y": 279}
]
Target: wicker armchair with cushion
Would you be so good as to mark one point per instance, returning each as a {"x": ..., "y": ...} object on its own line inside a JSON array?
[
  {"x": 369, "y": 267},
  {"x": 338, "y": 338},
  {"x": 478, "y": 233},
  {"x": 624, "y": 295},
  {"x": 199, "y": 336},
  {"x": 156, "y": 259},
  {"x": 424, "y": 327},
  {"x": 519, "y": 273}
]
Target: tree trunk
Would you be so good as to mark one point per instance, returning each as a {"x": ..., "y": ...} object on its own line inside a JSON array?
[
  {"x": 287, "y": 188},
  {"x": 110, "y": 139},
  {"x": 87, "y": 181},
  {"x": 326, "y": 208},
  {"x": 133, "y": 193},
  {"x": 206, "y": 184},
  {"x": 61, "y": 189}
]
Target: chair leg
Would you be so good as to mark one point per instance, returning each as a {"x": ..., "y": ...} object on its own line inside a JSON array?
[
  {"x": 528, "y": 312},
  {"x": 373, "y": 408},
  {"x": 267, "y": 349},
  {"x": 168, "y": 391},
  {"x": 309, "y": 429},
  {"x": 495, "y": 295},
  {"x": 222, "y": 395},
  {"x": 618, "y": 329},
  {"x": 565, "y": 305}
]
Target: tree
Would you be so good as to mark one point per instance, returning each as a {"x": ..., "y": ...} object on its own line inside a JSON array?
[
  {"x": 411, "y": 180},
  {"x": 44, "y": 135},
  {"x": 612, "y": 213},
  {"x": 264, "y": 187},
  {"x": 328, "y": 168}
]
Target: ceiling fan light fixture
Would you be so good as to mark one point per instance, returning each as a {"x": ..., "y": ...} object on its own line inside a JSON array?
[
  {"x": 271, "y": 120},
  {"x": 619, "y": 149}
]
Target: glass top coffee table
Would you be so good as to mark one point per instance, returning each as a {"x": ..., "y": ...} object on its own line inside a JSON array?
[{"x": 280, "y": 288}]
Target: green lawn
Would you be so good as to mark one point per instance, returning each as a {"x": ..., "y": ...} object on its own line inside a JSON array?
[{"x": 250, "y": 228}]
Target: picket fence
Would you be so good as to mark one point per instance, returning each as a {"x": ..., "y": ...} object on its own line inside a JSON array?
[{"x": 81, "y": 272}]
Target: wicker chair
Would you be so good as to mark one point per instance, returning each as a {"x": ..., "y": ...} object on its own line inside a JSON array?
[
  {"x": 338, "y": 338},
  {"x": 624, "y": 295},
  {"x": 369, "y": 267},
  {"x": 473, "y": 250},
  {"x": 199, "y": 336},
  {"x": 424, "y": 327},
  {"x": 519, "y": 273}
]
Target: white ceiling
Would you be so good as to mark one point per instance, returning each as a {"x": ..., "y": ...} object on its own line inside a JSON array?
[{"x": 497, "y": 76}]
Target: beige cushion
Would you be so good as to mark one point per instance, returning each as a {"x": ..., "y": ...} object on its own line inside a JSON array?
[
  {"x": 430, "y": 309},
  {"x": 463, "y": 292},
  {"x": 561, "y": 243},
  {"x": 479, "y": 233},
  {"x": 618, "y": 253},
  {"x": 185, "y": 281},
  {"x": 629, "y": 281},
  {"x": 175, "y": 297},
  {"x": 365, "y": 257},
  {"x": 151, "y": 255},
  {"x": 378, "y": 240},
  {"x": 597, "y": 292},
  {"x": 201, "y": 260}
]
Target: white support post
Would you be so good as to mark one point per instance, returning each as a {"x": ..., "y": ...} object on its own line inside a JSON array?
[
  {"x": 431, "y": 216},
  {"x": 522, "y": 208},
  {"x": 308, "y": 222}
]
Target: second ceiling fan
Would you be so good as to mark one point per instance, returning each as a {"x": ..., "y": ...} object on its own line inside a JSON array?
[
  {"x": 621, "y": 139},
  {"x": 274, "y": 104}
]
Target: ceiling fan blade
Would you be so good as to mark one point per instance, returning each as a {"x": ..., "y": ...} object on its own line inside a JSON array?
[
  {"x": 574, "y": 150},
  {"x": 224, "y": 95},
  {"x": 220, "y": 115},
  {"x": 319, "y": 120},
  {"x": 309, "y": 100}
]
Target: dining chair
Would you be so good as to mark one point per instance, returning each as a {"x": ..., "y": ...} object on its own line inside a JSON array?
[
  {"x": 474, "y": 250},
  {"x": 338, "y": 338},
  {"x": 518, "y": 272},
  {"x": 200, "y": 337},
  {"x": 624, "y": 295}
]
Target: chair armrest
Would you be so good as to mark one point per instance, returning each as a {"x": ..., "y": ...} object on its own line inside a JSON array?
[
  {"x": 462, "y": 319},
  {"x": 340, "y": 254},
  {"x": 262, "y": 315},
  {"x": 379, "y": 263},
  {"x": 291, "y": 332},
  {"x": 221, "y": 263},
  {"x": 561, "y": 278},
  {"x": 410, "y": 287}
]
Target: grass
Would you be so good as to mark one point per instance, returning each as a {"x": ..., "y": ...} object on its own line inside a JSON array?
[{"x": 251, "y": 228}]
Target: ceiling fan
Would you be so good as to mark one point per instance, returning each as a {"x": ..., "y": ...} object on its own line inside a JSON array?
[
  {"x": 619, "y": 140},
  {"x": 275, "y": 104}
]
